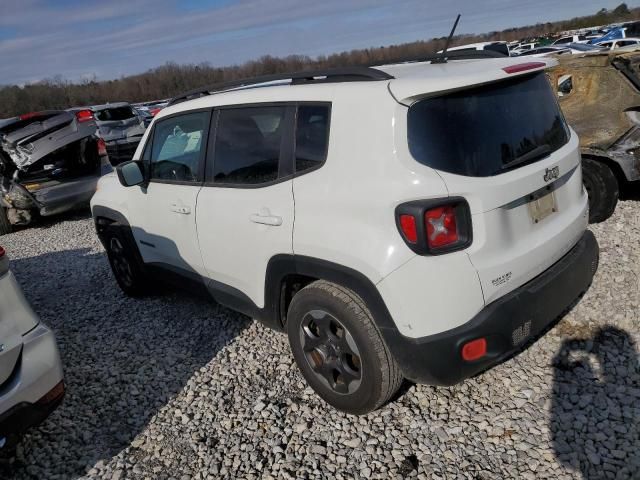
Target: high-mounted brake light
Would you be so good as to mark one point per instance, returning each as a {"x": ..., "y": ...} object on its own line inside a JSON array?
[
  {"x": 435, "y": 227},
  {"x": 102, "y": 147},
  {"x": 84, "y": 116},
  {"x": 523, "y": 67}
]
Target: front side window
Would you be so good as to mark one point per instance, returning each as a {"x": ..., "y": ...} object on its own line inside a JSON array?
[
  {"x": 487, "y": 130},
  {"x": 247, "y": 146},
  {"x": 178, "y": 146},
  {"x": 312, "y": 136}
]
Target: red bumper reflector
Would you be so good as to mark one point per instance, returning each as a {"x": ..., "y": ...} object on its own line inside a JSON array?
[
  {"x": 474, "y": 350},
  {"x": 523, "y": 67}
]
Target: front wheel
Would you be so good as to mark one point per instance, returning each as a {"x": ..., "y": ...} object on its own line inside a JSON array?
[
  {"x": 126, "y": 268},
  {"x": 339, "y": 350},
  {"x": 602, "y": 187}
]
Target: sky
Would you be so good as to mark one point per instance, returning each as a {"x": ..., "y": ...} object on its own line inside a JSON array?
[{"x": 106, "y": 39}]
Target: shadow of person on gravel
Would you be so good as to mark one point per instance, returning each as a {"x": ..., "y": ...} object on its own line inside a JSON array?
[
  {"x": 596, "y": 406},
  {"x": 123, "y": 358}
]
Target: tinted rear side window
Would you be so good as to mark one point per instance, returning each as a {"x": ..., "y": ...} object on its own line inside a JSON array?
[
  {"x": 312, "y": 136},
  {"x": 485, "y": 131},
  {"x": 248, "y": 143}
]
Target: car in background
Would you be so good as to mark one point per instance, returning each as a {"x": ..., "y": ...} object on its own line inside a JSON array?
[
  {"x": 571, "y": 39},
  {"x": 577, "y": 48},
  {"x": 520, "y": 48},
  {"x": 619, "y": 43},
  {"x": 121, "y": 127},
  {"x": 544, "y": 51},
  {"x": 50, "y": 162},
  {"x": 31, "y": 377},
  {"x": 499, "y": 47},
  {"x": 145, "y": 115},
  {"x": 599, "y": 94}
]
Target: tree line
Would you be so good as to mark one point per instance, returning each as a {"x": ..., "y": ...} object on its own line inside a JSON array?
[{"x": 171, "y": 79}]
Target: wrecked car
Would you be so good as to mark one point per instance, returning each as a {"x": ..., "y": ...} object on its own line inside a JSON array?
[
  {"x": 600, "y": 96},
  {"x": 121, "y": 127},
  {"x": 50, "y": 162}
]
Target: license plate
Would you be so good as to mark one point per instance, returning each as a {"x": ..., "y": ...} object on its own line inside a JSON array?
[{"x": 542, "y": 207}]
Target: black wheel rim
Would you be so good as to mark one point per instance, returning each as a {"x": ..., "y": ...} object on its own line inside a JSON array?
[
  {"x": 120, "y": 262},
  {"x": 331, "y": 352}
]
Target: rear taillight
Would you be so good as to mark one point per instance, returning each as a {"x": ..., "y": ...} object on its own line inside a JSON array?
[
  {"x": 442, "y": 227},
  {"x": 2, "y": 252},
  {"x": 84, "y": 116},
  {"x": 102, "y": 147},
  {"x": 434, "y": 227},
  {"x": 27, "y": 116}
]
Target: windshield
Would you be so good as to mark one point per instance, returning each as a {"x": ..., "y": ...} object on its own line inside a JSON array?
[
  {"x": 114, "y": 114},
  {"x": 487, "y": 130}
]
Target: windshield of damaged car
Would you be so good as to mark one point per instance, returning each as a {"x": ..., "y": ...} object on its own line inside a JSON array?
[
  {"x": 115, "y": 114},
  {"x": 487, "y": 130}
]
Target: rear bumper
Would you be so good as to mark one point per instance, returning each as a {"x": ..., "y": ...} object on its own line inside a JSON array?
[
  {"x": 35, "y": 388},
  {"x": 509, "y": 324}
]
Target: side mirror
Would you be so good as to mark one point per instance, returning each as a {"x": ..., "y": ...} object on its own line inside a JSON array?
[{"x": 130, "y": 174}]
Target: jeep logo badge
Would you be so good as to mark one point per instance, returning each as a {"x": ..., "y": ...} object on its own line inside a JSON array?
[{"x": 551, "y": 174}]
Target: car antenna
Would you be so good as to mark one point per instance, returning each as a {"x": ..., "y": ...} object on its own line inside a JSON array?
[{"x": 443, "y": 57}]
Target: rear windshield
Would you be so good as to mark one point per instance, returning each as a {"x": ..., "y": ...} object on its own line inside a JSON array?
[
  {"x": 112, "y": 114},
  {"x": 487, "y": 130}
]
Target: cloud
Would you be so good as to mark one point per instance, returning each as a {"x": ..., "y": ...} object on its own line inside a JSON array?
[{"x": 75, "y": 38}]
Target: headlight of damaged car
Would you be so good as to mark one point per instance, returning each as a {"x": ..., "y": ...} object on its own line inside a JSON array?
[{"x": 18, "y": 198}]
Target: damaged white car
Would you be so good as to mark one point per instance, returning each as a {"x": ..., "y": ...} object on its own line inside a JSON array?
[{"x": 50, "y": 162}]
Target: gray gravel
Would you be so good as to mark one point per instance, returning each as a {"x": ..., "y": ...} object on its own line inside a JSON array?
[{"x": 175, "y": 387}]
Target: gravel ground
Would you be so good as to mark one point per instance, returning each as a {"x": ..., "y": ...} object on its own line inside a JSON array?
[{"x": 175, "y": 387}]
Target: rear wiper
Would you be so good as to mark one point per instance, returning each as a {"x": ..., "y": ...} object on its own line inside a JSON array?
[{"x": 532, "y": 155}]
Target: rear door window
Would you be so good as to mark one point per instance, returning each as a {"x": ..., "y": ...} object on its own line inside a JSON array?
[
  {"x": 312, "y": 136},
  {"x": 488, "y": 130},
  {"x": 248, "y": 145}
]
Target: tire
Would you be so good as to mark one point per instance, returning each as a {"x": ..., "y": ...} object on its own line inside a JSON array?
[
  {"x": 5, "y": 226},
  {"x": 339, "y": 350},
  {"x": 603, "y": 189},
  {"x": 125, "y": 263}
]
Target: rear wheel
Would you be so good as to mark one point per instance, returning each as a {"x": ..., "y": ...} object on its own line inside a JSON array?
[
  {"x": 602, "y": 186},
  {"x": 126, "y": 267},
  {"x": 5, "y": 226},
  {"x": 339, "y": 350}
]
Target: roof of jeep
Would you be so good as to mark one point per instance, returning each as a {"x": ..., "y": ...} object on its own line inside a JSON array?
[{"x": 409, "y": 80}]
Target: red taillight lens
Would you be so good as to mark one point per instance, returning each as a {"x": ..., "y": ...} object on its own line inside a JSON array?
[
  {"x": 474, "y": 350},
  {"x": 102, "y": 147},
  {"x": 409, "y": 229},
  {"x": 523, "y": 67},
  {"x": 154, "y": 111},
  {"x": 84, "y": 116},
  {"x": 442, "y": 228},
  {"x": 2, "y": 252},
  {"x": 27, "y": 116}
]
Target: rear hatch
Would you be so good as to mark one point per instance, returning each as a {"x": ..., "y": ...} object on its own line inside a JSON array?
[
  {"x": 118, "y": 123},
  {"x": 505, "y": 147},
  {"x": 16, "y": 319}
]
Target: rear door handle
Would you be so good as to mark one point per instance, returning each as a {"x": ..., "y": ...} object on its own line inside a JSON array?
[
  {"x": 182, "y": 209},
  {"x": 265, "y": 218}
]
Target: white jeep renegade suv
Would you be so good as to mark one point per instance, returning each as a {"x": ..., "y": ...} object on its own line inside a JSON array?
[{"x": 421, "y": 221}]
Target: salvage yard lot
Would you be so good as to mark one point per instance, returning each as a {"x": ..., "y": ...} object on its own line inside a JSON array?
[{"x": 174, "y": 386}]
